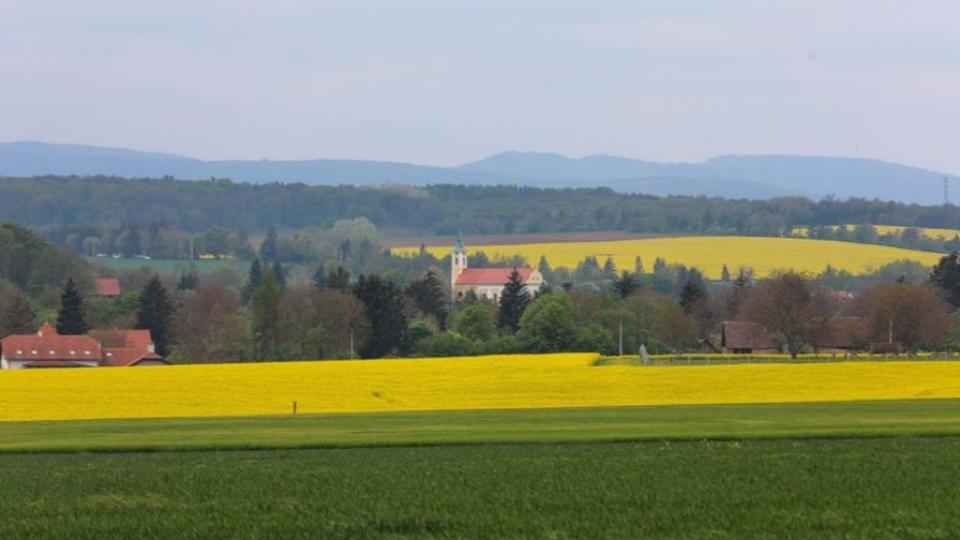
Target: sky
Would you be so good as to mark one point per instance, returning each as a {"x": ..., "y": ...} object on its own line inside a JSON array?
[{"x": 447, "y": 82}]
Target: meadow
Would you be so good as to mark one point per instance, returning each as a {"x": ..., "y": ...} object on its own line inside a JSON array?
[
  {"x": 845, "y": 488},
  {"x": 929, "y": 232},
  {"x": 708, "y": 253},
  {"x": 486, "y": 382}
]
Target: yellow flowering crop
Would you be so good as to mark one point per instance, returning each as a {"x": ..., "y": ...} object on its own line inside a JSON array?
[
  {"x": 929, "y": 232},
  {"x": 709, "y": 253},
  {"x": 492, "y": 382}
]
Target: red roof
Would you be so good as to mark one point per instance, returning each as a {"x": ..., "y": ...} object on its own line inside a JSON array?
[
  {"x": 47, "y": 345},
  {"x": 106, "y": 287},
  {"x": 747, "y": 335},
  {"x": 136, "y": 339},
  {"x": 126, "y": 356},
  {"x": 491, "y": 276}
]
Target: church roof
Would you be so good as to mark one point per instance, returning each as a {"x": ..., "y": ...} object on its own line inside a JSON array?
[{"x": 491, "y": 276}]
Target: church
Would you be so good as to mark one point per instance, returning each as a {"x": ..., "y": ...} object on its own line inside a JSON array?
[{"x": 486, "y": 283}]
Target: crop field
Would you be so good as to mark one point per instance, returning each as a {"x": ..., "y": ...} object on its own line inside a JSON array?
[
  {"x": 844, "y": 488},
  {"x": 929, "y": 232},
  {"x": 709, "y": 253},
  {"x": 491, "y": 382},
  {"x": 168, "y": 265}
]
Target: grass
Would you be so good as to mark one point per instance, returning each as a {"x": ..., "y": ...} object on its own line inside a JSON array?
[
  {"x": 935, "y": 417},
  {"x": 844, "y": 488},
  {"x": 169, "y": 265},
  {"x": 709, "y": 253}
]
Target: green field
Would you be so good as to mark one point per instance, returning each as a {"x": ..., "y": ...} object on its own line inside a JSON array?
[
  {"x": 168, "y": 265},
  {"x": 880, "y": 469},
  {"x": 933, "y": 417},
  {"x": 860, "y": 488}
]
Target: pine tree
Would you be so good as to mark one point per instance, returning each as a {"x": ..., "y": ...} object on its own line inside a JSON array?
[
  {"x": 17, "y": 316},
  {"x": 946, "y": 275},
  {"x": 384, "y": 306},
  {"x": 659, "y": 265},
  {"x": 428, "y": 294},
  {"x": 725, "y": 274},
  {"x": 279, "y": 276},
  {"x": 627, "y": 284},
  {"x": 338, "y": 279},
  {"x": 155, "y": 313},
  {"x": 265, "y": 325},
  {"x": 268, "y": 249},
  {"x": 71, "y": 319},
  {"x": 638, "y": 265},
  {"x": 513, "y": 302},
  {"x": 609, "y": 269},
  {"x": 693, "y": 293},
  {"x": 254, "y": 277},
  {"x": 188, "y": 279},
  {"x": 544, "y": 268}
]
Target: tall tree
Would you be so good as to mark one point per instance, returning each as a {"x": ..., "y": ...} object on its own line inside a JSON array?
[
  {"x": 430, "y": 297},
  {"x": 268, "y": 249},
  {"x": 783, "y": 305},
  {"x": 17, "y": 315},
  {"x": 155, "y": 313},
  {"x": 254, "y": 277},
  {"x": 725, "y": 274},
  {"x": 693, "y": 293},
  {"x": 279, "y": 275},
  {"x": 71, "y": 319},
  {"x": 265, "y": 326},
  {"x": 338, "y": 279},
  {"x": 609, "y": 269},
  {"x": 946, "y": 276},
  {"x": 513, "y": 302},
  {"x": 384, "y": 306},
  {"x": 626, "y": 284},
  {"x": 550, "y": 324}
]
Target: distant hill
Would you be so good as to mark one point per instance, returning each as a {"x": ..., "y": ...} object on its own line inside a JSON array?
[{"x": 751, "y": 177}]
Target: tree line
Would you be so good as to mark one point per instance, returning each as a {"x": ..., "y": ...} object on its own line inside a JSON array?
[{"x": 76, "y": 205}]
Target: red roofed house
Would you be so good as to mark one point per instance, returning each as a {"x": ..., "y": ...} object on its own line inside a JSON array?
[
  {"x": 106, "y": 287},
  {"x": 47, "y": 348},
  {"x": 742, "y": 337},
  {"x": 486, "y": 282}
]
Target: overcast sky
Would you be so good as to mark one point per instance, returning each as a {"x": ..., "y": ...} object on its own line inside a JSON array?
[{"x": 444, "y": 82}]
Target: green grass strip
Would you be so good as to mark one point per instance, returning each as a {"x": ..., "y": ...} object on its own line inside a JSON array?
[{"x": 936, "y": 417}]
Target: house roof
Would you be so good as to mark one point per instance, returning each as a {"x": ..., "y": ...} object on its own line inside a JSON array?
[
  {"x": 47, "y": 345},
  {"x": 747, "y": 335},
  {"x": 106, "y": 287},
  {"x": 111, "y": 338},
  {"x": 126, "y": 356},
  {"x": 491, "y": 276}
]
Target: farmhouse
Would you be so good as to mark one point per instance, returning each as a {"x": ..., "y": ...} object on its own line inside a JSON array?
[
  {"x": 106, "y": 348},
  {"x": 742, "y": 337},
  {"x": 486, "y": 282}
]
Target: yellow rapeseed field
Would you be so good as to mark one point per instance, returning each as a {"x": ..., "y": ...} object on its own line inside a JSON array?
[
  {"x": 491, "y": 382},
  {"x": 929, "y": 232},
  {"x": 709, "y": 253}
]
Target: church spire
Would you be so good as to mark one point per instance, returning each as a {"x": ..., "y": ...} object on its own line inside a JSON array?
[{"x": 458, "y": 244}]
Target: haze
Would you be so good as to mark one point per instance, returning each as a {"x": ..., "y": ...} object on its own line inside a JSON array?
[{"x": 449, "y": 82}]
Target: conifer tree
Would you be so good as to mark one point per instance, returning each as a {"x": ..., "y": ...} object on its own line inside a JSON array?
[
  {"x": 338, "y": 279},
  {"x": 609, "y": 269},
  {"x": 265, "y": 325},
  {"x": 254, "y": 277},
  {"x": 279, "y": 276},
  {"x": 17, "y": 316},
  {"x": 946, "y": 275},
  {"x": 627, "y": 284},
  {"x": 155, "y": 313},
  {"x": 638, "y": 265},
  {"x": 188, "y": 279},
  {"x": 384, "y": 306},
  {"x": 725, "y": 274},
  {"x": 428, "y": 294},
  {"x": 71, "y": 319},
  {"x": 544, "y": 268},
  {"x": 693, "y": 293},
  {"x": 268, "y": 249},
  {"x": 513, "y": 302}
]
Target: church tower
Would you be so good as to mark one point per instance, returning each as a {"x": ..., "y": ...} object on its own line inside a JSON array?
[{"x": 458, "y": 263}]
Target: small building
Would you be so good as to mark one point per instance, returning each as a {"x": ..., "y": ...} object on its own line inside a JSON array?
[
  {"x": 742, "y": 337},
  {"x": 486, "y": 283},
  {"x": 101, "y": 348},
  {"x": 109, "y": 287}
]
